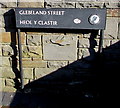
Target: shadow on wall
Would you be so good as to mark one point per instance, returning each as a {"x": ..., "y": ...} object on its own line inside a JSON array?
[
  {"x": 10, "y": 26},
  {"x": 85, "y": 82}
]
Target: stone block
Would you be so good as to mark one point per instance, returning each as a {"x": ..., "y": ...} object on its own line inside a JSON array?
[
  {"x": 69, "y": 4},
  {"x": 7, "y": 50},
  {"x": 0, "y": 50},
  {"x": 53, "y": 1},
  {"x": 88, "y": 54},
  {"x": 41, "y": 72},
  {"x": 3, "y": 11},
  {"x": 6, "y": 62},
  {"x": 111, "y": 28},
  {"x": 106, "y": 43},
  {"x": 55, "y": 5},
  {"x": 26, "y": 81},
  {"x": 31, "y": 3},
  {"x": 2, "y": 24},
  {"x": 87, "y": 35},
  {"x": 8, "y": 37},
  {"x": 2, "y": 82},
  {"x": 85, "y": 53},
  {"x": 34, "y": 33},
  {"x": 57, "y": 64},
  {"x": 97, "y": 4},
  {"x": 8, "y": 3},
  {"x": 32, "y": 51},
  {"x": 9, "y": 89},
  {"x": 0, "y": 61},
  {"x": 10, "y": 82},
  {"x": 115, "y": 44},
  {"x": 0, "y": 72},
  {"x": 34, "y": 40},
  {"x": 89, "y": 4},
  {"x": 60, "y": 47},
  {"x": 53, "y": 74},
  {"x": 7, "y": 73},
  {"x": 0, "y": 38},
  {"x": 80, "y": 53},
  {"x": 113, "y": 12},
  {"x": 28, "y": 73},
  {"x": 84, "y": 43},
  {"x": 34, "y": 64},
  {"x": 2, "y": 30},
  {"x": 112, "y": 4}
]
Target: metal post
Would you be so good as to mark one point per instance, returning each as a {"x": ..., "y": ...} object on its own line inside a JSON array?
[
  {"x": 20, "y": 59},
  {"x": 101, "y": 41}
]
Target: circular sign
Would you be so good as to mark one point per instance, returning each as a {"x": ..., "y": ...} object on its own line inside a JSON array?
[
  {"x": 77, "y": 21},
  {"x": 94, "y": 19}
]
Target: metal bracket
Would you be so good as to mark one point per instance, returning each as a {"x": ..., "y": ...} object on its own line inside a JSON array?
[
  {"x": 20, "y": 58},
  {"x": 101, "y": 41}
]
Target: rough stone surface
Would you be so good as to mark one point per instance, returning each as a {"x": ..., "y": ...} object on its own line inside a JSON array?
[
  {"x": 60, "y": 47},
  {"x": 36, "y": 3},
  {"x": 34, "y": 64},
  {"x": 111, "y": 28},
  {"x": 112, "y": 4},
  {"x": 2, "y": 82},
  {"x": 7, "y": 50},
  {"x": 89, "y": 4},
  {"x": 26, "y": 81},
  {"x": 8, "y": 89},
  {"x": 0, "y": 61},
  {"x": 84, "y": 43},
  {"x": 3, "y": 10},
  {"x": 57, "y": 64},
  {"x": 6, "y": 62},
  {"x": 34, "y": 40},
  {"x": 85, "y": 52},
  {"x": 41, "y": 72},
  {"x": 113, "y": 12},
  {"x": 7, "y": 73},
  {"x": 69, "y": 5},
  {"x": 0, "y": 38},
  {"x": 53, "y": 74},
  {"x": 10, "y": 82},
  {"x": 7, "y": 4},
  {"x": 88, "y": 54},
  {"x": 106, "y": 43},
  {"x": 6, "y": 37},
  {"x": 80, "y": 53},
  {"x": 114, "y": 42},
  {"x": 11, "y": 37},
  {"x": 2, "y": 21},
  {"x": 28, "y": 73},
  {"x": 87, "y": 35},
  {"x": 0, "y": 50},
  {"x": 32, "y": 51},
  {"x": 0, "y": 71}
]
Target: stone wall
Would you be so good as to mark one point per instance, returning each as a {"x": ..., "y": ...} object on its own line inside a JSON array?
[{"x": 45, "y": 53}]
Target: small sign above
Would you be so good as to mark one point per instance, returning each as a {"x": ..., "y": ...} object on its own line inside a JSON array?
[{"x": 60, "y": 18}]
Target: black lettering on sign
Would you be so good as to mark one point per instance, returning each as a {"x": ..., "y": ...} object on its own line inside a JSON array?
[{"x": 60, "y": 18}]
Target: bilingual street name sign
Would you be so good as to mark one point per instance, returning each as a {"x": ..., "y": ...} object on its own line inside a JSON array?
[{"x": 61, "y": 18}]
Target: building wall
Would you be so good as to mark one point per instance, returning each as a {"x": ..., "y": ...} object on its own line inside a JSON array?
[{"x": 41, "y": 56}]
